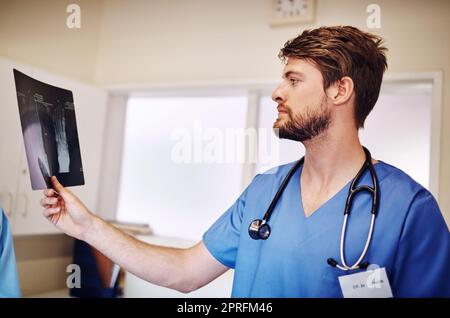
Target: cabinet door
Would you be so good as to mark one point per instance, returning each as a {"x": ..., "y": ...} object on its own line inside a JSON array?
[
  {"x": 27, "y": 216},
  {"x": 11, "y": 142}
]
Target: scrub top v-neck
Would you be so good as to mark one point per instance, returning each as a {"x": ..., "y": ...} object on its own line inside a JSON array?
[{"x": 410, "y": 238}]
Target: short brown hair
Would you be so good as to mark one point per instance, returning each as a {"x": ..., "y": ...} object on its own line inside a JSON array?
[{"x": 344, "y": 51}]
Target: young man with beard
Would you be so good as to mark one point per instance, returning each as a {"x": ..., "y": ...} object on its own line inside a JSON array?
[{"x": 331, "y": 82}]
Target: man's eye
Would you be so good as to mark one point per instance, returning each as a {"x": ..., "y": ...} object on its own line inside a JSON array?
[{"x": 293, "y": 81}]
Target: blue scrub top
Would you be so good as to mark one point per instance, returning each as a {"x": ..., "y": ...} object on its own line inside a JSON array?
[
  {"x": 411, "y": 239},
  {"x": 9, "y": 281}
]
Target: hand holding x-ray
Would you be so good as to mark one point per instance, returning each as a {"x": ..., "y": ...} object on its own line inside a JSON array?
[{"x": 66, "y": 211}]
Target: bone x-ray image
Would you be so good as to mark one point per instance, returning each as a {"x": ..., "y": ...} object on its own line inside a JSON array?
[{"x": 47, "y": 115}]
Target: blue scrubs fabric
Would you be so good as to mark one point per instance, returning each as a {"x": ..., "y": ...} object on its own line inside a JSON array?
[
  {"x": 9, "y": 282},
  {"x": 410, "y": 239}
]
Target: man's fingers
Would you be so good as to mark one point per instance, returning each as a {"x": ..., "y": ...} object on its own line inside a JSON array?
[
  {"x": 51, "y": 206},
  {"x": 50, "y": 193},
  {"x": 51, "y": 211},
  {"x": 49, "y": 201}
]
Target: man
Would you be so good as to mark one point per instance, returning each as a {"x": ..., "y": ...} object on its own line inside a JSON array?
[
  {"x": 331, "y": 82},
  {"x": 9, "y": 282}
]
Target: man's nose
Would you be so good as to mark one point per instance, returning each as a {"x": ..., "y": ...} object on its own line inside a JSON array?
[{"x": 277, "y": 95}]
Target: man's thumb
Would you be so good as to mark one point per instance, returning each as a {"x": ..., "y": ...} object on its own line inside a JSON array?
[{"x": 58, "y": 187}]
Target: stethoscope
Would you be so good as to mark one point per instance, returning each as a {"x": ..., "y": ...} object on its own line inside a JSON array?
[{"x": 260, "y": 230}]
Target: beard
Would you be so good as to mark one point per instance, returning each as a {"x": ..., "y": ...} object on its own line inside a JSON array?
[{"x": 303, "y": 127}]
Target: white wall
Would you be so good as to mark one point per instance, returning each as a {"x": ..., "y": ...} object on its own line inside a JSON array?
[{"x": 34, "y": 32}]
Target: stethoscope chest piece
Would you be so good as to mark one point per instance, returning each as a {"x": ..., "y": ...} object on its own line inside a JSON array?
[{"x": 259, "y": 230}]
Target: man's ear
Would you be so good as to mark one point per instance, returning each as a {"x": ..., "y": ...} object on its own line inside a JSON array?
[{"x": 341, "y": 91}]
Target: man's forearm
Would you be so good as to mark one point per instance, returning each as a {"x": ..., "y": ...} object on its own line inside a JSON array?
[{"x": 164, "y": 266}]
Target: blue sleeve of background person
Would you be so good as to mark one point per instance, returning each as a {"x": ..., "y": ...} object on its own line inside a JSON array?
[
  {"x": 222, "y": 238},
  {"x": 9, "y": 281},
  {"x": 423, "y": 258}
]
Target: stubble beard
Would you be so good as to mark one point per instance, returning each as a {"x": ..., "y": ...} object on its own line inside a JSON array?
[{"x": 303, "y": 127}]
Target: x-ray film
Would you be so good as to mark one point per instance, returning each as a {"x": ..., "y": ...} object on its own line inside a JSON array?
[{"x": 47, "y": 115}]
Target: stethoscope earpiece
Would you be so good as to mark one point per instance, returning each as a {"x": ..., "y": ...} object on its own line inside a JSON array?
[
  {"x": 332, "y": 262},
  {"x": 364, "y": 265}
]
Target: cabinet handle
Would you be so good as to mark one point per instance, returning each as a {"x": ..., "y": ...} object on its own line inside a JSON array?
[
  {"x": 25, "y": 210},
  {"x": 7, "y": 209}
]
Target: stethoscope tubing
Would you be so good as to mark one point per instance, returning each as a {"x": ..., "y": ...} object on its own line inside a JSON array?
[
  {"x": 344, "y": 266},
  {"x": 257, "y": 225}
]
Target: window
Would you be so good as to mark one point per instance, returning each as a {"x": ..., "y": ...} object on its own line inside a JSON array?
[
  {"x": 169, "y": 178},
  {"x": 398, "y": 130}
]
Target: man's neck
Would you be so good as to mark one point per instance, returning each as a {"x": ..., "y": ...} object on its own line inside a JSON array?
[{"x": 332, "y": 159}]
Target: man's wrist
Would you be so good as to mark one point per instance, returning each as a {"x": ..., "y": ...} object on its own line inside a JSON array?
[{"x": 93, "y": 227}]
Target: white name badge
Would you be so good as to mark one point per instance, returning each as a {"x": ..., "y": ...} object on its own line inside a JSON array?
[{"x": 369, "y": 284}]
